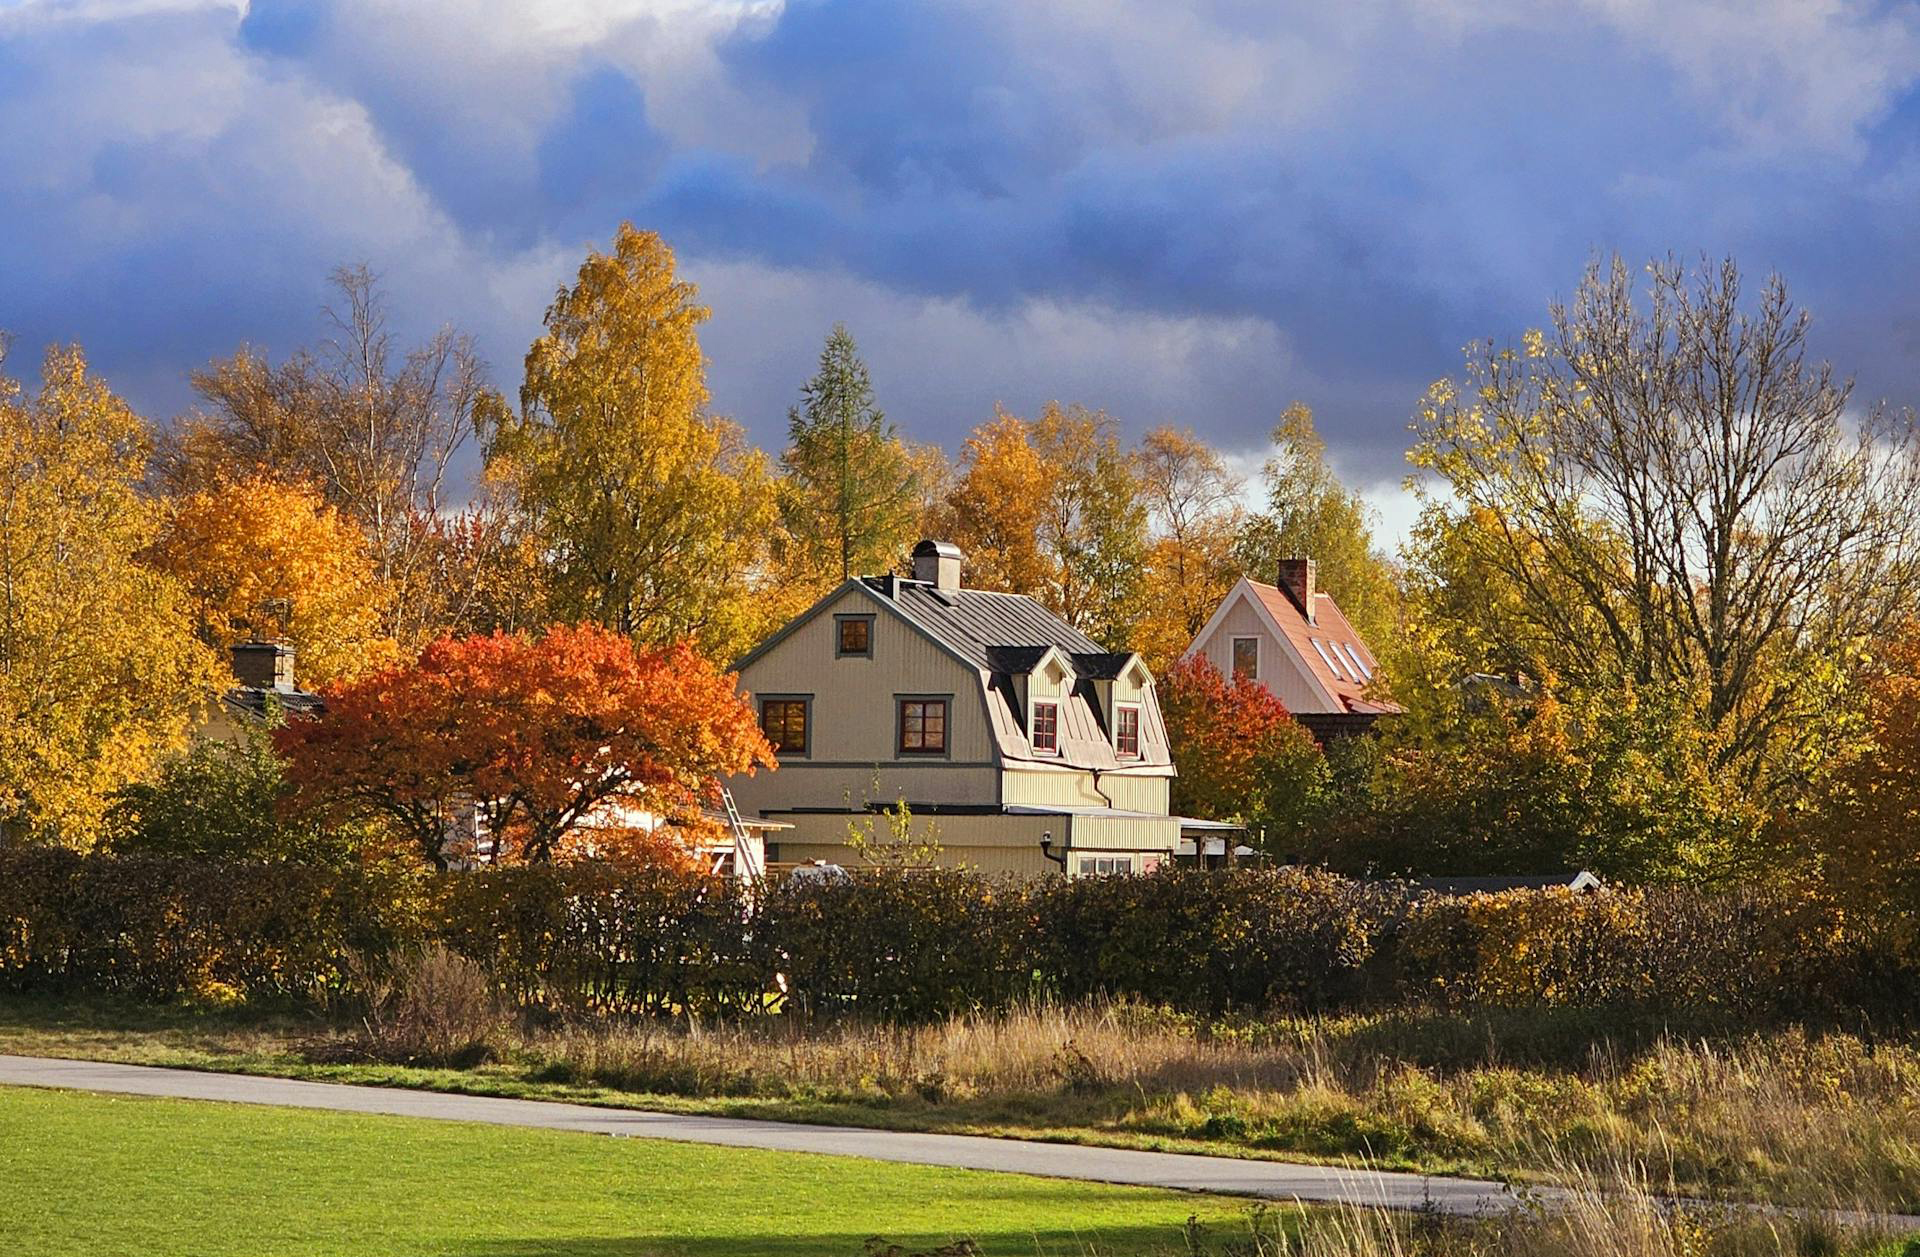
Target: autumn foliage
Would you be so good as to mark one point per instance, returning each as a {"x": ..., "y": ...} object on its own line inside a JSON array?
[
  {"x": 1242, "y": 756},
  {"x": 263, "y": 557},
  {"x": 553, "y": 742}
]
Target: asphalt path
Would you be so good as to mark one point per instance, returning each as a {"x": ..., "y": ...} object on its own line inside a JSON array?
[{"x": 1270, "y": 1180}]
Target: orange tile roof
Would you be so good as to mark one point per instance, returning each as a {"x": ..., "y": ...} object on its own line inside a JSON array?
[{"x": 1331, "y": 630}]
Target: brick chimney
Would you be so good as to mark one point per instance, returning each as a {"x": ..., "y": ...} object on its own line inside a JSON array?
[
  {"x": 937, "y": 563},
  {"x": 264, "y": 665},
  {"x": 1296, "y": 577}
]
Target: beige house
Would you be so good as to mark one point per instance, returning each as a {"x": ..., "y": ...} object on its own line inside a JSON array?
[
  {"x": 1019, "y": 742},
  {"x": 1293, "y": 639}
]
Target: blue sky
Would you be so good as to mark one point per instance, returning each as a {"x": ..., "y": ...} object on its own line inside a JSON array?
[{"x": 1178, "y": 213}]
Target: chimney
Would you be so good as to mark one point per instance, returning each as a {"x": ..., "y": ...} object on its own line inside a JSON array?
[
  {"x": 1296, "y": 577},
  {"x": 264, "y": 665},
  {"x": 937, "y": 563}
]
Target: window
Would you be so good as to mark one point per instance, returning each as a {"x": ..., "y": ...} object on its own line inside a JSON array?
[
  {"x": 1351, "y": 654},
  {"x": 1246, "y": 658},
  {"x": 923, "y": 726},
  {"x": 1105, "y": 865},
  {"x": 856, "y": 636},
  {"x": 1126, "y": 730},
  {"x": 1326, "y": 658},
  {"x": 784, "y": 721},
  {"x": 1046, "y": 727}
]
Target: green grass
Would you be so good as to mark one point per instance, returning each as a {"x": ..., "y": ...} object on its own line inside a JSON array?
[{"x": 106, "y": 1176}]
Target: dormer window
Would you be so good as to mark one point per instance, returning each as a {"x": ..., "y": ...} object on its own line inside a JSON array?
[
  {"x": 855, "y": 636},
  {"x": 1126, "y": 730},
  {"x": 1046, "y": 728}
]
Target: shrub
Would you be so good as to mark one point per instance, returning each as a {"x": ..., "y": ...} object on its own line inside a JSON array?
[
  {"x": 915, "y": 945},
  {"x": 221, "y": 801},
  {"x": 903, "y": 944},
  {"x": 433, "y": 1007},
  {"x": 1210, "y": 942}
]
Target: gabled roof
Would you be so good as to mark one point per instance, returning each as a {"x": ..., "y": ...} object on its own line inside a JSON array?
[{"x": 1321, "y": 645}]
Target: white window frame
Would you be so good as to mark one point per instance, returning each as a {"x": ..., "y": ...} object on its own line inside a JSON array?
[{"x": 1233, "y": 650}]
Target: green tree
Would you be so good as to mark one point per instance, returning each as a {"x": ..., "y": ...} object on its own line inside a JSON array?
[
  {"x": 850, "y": 502},
  {"x": 1093, "y": 525},
  {"x": 651, "y": 515},
  {"x": 222, "y": 801},
  {"x": 100, "y": 671},
  {"x": 1310, "y": 514}
]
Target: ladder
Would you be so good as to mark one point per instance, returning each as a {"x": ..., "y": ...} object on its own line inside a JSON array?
[{"x": 746, "y": 857}]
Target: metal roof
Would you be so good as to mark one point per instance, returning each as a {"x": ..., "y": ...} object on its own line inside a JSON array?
[{"x": 974, "y": 622}]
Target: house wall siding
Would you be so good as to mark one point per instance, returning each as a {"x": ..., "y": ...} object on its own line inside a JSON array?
[
  {"x": 852, "y": 737},
  {"x": 991, "y": 844}
]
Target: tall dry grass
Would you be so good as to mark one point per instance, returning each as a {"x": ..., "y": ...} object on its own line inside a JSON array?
[
  {"x": 1786, "y": 1115},
  {"x": 1609, "y": 1210}
]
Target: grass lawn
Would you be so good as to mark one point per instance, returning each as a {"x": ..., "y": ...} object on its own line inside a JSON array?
[{"x": 105, "y": 1176}]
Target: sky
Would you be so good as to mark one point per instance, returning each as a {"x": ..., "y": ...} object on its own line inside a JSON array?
[{"x": 1191, "y": 213}]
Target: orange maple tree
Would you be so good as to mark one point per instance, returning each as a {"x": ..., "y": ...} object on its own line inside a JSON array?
[{"x": 561, "y": 745}]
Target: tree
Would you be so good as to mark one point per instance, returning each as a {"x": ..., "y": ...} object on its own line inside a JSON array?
[
  {"x": 850, "y": 496},
  {"x": 222, "y": 801},
  {"x": 1052, "y": 507},
  {"x": 1682, "y": 500},
  {"x": 1241, "y": 756},
  {"x": 651, "y": 516},
  {"x": 375, "y": 428},
  {"x": 100, "y": 673},
  {"x": 1310, "y": 514},
  {"x": 1863, "y": 837},
  {"x": 1512, "y": 781},
  {"x": 263, "y": 558},
  {"x": 1194, "y": 505},
  {"x": 548, "y": 740},
  {"x": 1094, "y": 526},
  {"x": 997, "y": 506}
]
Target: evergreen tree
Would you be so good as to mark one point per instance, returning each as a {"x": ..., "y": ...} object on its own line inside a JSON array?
[{"x": 851, "y": 501}]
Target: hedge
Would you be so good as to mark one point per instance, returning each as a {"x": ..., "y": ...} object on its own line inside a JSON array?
[{"x": 593, "y": 939}]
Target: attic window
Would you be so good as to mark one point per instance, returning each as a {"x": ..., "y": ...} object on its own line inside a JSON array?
[
  {"x": 1326, "y": 658},
  {"x": 855, "y": 638},
  {"x": 1246, "y": 658},
  {"x": 1351, "y": 654},
  {"x": 1046, "y": 727},
  {"x": 1126, "y": 731}
]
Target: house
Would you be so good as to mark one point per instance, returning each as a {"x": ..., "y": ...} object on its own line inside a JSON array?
[
  {"x": 1293, "y": 639},
  {"x": 1021, "y": 744}
]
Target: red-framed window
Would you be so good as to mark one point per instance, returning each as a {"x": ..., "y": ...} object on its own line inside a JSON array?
[
  {"x": 1126, "y": 730},
  {"x": 1046, "y": 727}
]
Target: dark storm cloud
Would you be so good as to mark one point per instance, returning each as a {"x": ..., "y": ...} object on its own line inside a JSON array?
[{"x": 1195, "y": 214}]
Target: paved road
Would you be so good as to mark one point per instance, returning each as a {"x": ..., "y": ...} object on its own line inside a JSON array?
[{"x": 1272, "y": 1180}]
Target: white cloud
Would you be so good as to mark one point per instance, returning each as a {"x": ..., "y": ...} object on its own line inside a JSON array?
[{"x": 939, "y": 364}]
